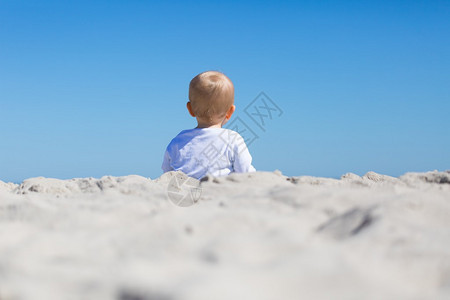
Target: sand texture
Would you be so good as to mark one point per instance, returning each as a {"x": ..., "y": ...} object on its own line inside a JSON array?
[{"x": 248, "y": 236}]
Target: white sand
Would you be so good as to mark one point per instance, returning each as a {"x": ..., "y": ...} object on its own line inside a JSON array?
[{"x": 250, "y": 236}]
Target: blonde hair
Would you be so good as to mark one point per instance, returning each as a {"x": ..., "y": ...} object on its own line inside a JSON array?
[{"x": 211, "y": 94}]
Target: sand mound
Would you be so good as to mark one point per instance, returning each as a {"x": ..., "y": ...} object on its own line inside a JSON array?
[
  {"x": 429, "y": 177},
  {"x": 7, "y": 187},
  {"x": 245, "y": 236},
  {"x": 127, "y": 184}
]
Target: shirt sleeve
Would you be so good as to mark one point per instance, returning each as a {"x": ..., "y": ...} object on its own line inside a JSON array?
[
  {"x": 242, "y": 158},
  {"x": 166, "y": 167}
]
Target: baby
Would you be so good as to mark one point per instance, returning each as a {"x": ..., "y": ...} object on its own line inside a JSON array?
[{"x": 209, "y": 148}]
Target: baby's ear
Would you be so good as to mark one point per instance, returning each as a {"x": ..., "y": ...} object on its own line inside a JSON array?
[
  {"x": 189, "y": 107},
  {"x": 230, "y": 111}
]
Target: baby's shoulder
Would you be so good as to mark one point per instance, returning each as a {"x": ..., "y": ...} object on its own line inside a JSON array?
[
  {"x": 231, "y": 134},
  {"x": 182, "y": 138}
]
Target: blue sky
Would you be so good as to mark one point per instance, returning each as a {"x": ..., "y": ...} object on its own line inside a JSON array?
[{"x": 93, "y": 88}]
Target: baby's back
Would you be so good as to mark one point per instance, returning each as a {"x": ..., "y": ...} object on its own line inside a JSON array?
[{"x": 201, "y": 151}]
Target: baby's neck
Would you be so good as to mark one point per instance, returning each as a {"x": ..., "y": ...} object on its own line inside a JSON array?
[
  {"x": 201, "y": 124},
  {"x": 209, "y": 125}
]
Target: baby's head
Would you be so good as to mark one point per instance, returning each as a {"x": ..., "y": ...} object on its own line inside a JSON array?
[{"x": 211, "y": 98}]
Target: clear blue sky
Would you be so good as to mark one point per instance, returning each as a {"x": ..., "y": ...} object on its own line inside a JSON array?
[{"x": 93, "y": 88}]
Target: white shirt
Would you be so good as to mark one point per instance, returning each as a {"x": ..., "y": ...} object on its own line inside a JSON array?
[{"x": 201, "y": 151}]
